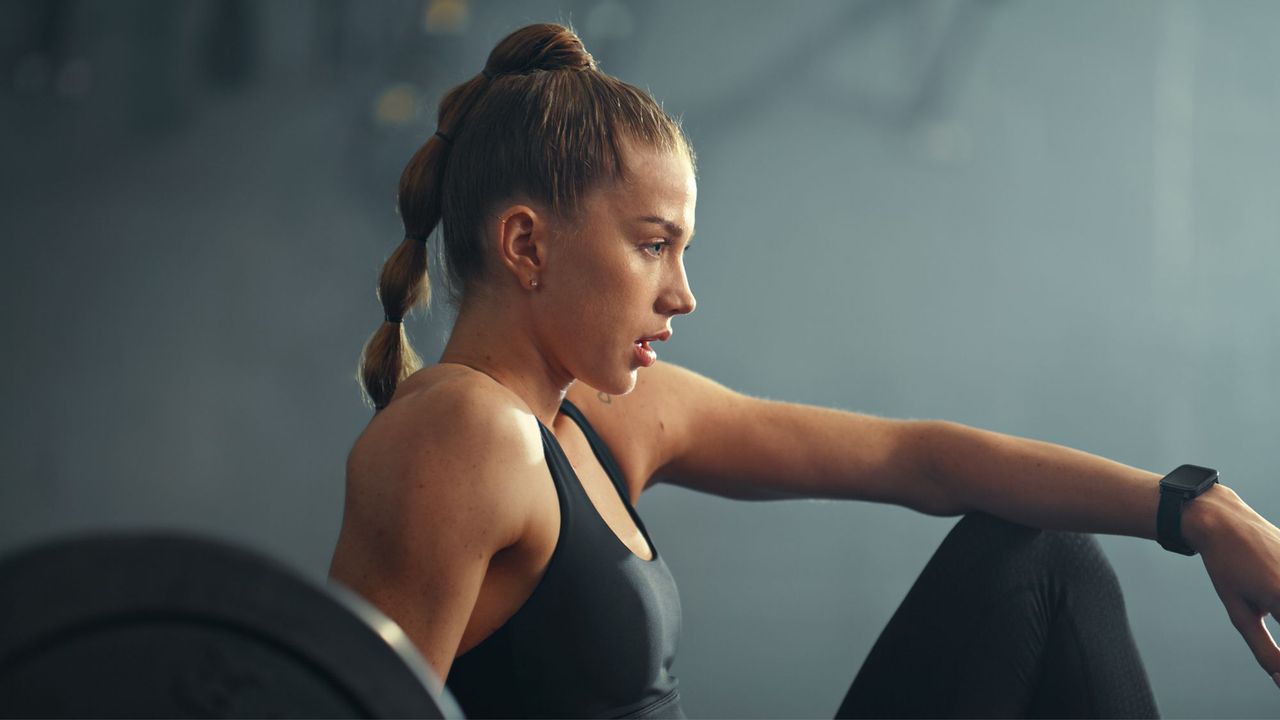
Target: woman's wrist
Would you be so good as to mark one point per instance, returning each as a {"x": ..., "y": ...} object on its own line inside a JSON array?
[{"x": 1204, "y": 516}]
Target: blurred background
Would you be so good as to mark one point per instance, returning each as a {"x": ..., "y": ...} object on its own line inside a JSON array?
[{"x": 1055, "y": 220}]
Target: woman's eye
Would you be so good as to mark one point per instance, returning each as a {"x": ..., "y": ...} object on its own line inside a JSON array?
[{"x": 656, "y": 248}]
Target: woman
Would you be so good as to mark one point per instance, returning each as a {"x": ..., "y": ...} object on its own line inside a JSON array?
[{"x": 489, "y": 504}]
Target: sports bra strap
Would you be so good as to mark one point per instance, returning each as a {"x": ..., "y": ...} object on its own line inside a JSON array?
[{"x": 599, "y": 448}]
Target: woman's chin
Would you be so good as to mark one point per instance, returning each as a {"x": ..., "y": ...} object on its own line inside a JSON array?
[{"x": 613, "y": 384}]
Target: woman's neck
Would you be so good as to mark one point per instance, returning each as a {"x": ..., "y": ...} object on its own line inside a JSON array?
[{"x": 496, "y": 339}]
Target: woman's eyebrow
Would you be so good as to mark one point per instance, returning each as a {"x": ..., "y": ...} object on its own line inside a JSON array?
[{"x": 671, "y": 227}]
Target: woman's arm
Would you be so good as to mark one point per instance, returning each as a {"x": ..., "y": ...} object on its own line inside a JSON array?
[
  {"x": 1050, "y": 486},
  {"x": 691, "y": 431},
  {"x": 1055, "y": 487}
]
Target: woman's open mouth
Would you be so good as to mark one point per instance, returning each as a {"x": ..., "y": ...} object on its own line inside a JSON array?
[{"x": 645, "y": 354}]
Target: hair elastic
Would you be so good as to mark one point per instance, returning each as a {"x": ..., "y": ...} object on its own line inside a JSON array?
[
  {"x": 421, "y": 237},
  {"x": 444, "y": 137},
  {"x": 393, "y": 319}
]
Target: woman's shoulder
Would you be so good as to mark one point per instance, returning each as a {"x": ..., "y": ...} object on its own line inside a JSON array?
[
  {"x": 648, "y": 427},
  {"x": 447, "y": 410},
  {"x": 445, "y": 383},
  {"x": 448, "y": 392},
  {"x": 437, "y": 485}
]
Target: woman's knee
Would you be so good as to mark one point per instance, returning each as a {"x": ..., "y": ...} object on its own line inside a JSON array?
[{"x": 1066, "y": 556}]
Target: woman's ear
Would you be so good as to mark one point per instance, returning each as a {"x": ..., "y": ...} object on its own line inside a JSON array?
[{"x": 522, "y": 235}]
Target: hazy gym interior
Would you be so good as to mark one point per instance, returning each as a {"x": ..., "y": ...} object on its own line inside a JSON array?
[{"x": 1056, "y": 220}]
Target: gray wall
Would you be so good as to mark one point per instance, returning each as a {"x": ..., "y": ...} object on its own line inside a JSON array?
[{"x": 1051, "y": 219}]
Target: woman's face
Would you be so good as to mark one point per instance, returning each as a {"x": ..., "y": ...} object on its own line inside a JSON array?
[{"x": 620, "y": 277}]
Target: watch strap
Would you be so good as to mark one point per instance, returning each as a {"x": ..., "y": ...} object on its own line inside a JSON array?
[{"x": 1169, "y": 522}]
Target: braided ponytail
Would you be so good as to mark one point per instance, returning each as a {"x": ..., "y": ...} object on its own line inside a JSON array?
[{"x": 539, "y": 120}]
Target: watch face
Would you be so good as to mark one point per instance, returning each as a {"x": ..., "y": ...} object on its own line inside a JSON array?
[{"x": 1189, "y": 478}]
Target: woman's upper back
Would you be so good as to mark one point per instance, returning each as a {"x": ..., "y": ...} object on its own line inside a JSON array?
[{"x": 437, "y": 485}]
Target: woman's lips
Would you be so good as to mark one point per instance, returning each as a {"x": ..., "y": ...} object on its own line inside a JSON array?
[{"x": 645, "y": 354}]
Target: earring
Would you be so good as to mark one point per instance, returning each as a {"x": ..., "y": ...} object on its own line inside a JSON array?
[{"x": 533, "y": 282}]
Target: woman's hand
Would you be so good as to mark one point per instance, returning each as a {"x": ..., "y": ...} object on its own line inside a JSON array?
[{"x": 1241, "y": 552}]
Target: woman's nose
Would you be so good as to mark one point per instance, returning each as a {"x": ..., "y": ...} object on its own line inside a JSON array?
[{"x": 679, "y": 299}]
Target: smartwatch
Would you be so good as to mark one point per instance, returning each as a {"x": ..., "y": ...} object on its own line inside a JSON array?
[{"x": 1178, "y": 487}]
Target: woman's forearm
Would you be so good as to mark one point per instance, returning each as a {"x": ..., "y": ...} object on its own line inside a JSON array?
[{"x": 1056, "y": 487}]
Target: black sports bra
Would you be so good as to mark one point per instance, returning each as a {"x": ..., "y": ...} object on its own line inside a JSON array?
[{"x": 598, "y": 635}]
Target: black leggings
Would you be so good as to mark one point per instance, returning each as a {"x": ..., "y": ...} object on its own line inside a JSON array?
[{"x": 1007, "y": 621}]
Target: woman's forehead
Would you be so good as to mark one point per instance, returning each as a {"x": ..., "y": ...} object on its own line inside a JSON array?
[{"x": 658, "y": 183}]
